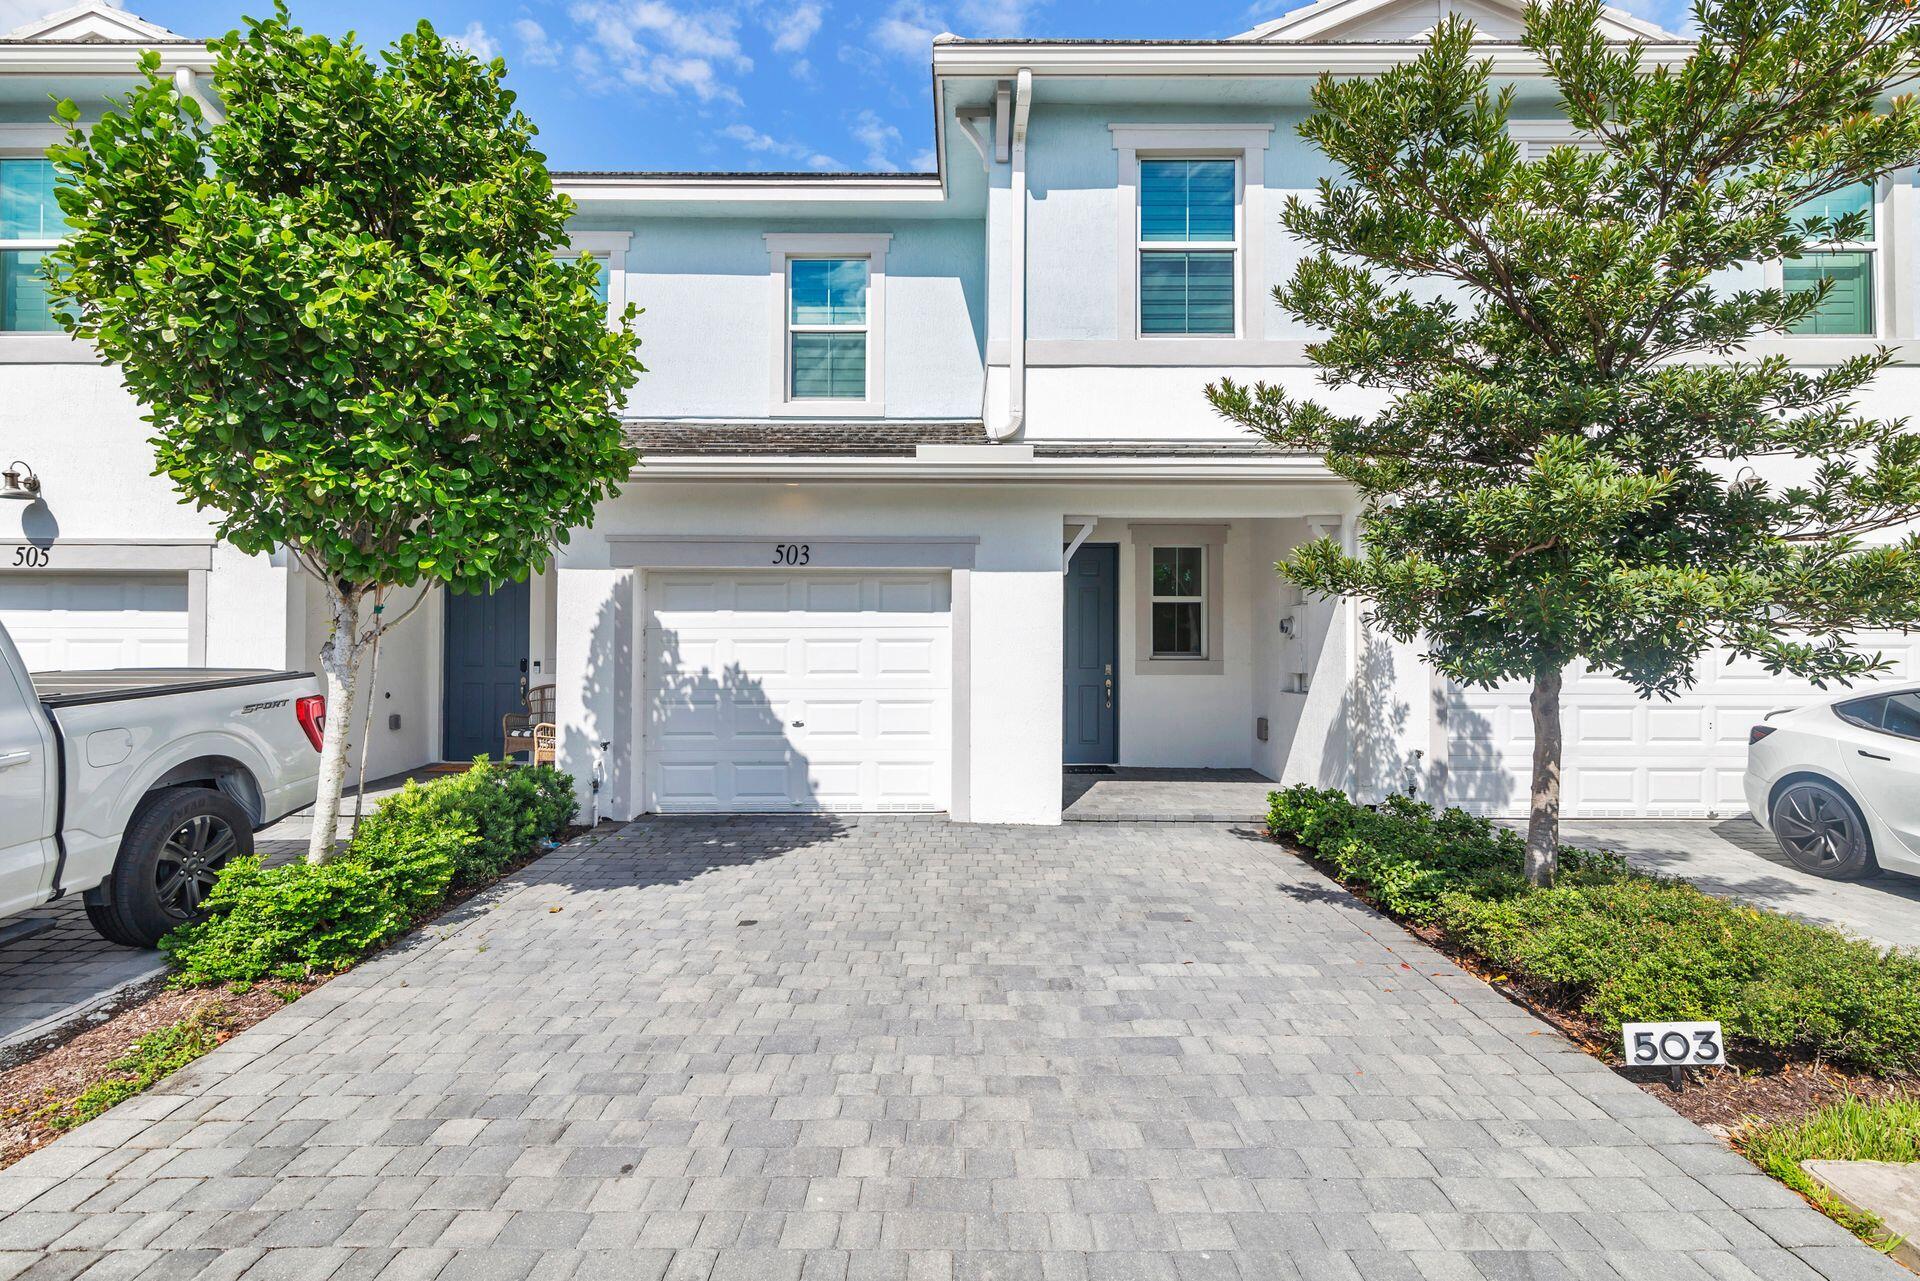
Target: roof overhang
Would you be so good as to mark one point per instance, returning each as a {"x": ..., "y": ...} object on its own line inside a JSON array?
[
  {"x": 1018, "y": 469},
  {"x": 746, "y": 189},
  {"x": 1226, "y": 58}
]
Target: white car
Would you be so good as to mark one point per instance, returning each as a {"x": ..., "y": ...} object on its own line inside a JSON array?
[{"x": 1838, "y": 783}]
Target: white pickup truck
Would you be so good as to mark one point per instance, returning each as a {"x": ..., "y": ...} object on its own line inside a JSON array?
[{"x": 136, "y": 786}]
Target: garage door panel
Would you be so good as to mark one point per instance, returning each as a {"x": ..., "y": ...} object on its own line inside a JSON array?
[
  {"x": 1630, "y": 756},
  {"x": 77, "y": 621},
  {"x": 845, "y": 677}
]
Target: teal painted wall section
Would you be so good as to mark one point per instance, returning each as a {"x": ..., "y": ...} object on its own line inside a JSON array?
[{"x": 708, "y": 328}]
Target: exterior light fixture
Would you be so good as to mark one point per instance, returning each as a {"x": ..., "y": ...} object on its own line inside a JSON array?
[{"x": 19, "y": 483}]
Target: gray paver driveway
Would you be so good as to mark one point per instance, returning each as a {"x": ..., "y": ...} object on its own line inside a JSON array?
[{"x": 729, "y": 1050}]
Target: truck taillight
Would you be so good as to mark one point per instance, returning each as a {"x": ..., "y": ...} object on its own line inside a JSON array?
[
  {"x": 1759, "y": 732},
  {"x": 311, "y": 712}
]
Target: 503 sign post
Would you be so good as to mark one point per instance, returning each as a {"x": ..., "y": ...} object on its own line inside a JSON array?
[{"x": 1674, "y": 1045}]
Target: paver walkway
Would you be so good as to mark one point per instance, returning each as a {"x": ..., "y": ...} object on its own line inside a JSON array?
[{"x": 730, "y": 1050}]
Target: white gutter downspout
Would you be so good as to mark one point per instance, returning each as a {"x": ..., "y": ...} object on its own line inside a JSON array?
[
  {"x": 185, "y": 85},
  {"x": 1017, "y": 258}
]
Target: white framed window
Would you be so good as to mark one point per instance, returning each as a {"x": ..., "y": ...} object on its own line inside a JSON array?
[
  {"x": 608, "y": 249},
  {"x": 1178, "y": 606},
  {"x": 829, "y": 298},
  {"x": 1179, "y": 616},
  {"x": 1189, "y": 211},
  {"x": 1852, "y": 307},
  {"x": 30, "y": 224},
  {"x": 1189, "y": 246}
]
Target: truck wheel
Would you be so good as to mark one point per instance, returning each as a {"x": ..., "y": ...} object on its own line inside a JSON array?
[{"x": 169, "y": 859}]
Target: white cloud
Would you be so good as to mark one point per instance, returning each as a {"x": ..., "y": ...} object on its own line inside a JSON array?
[
  {"x": 907, "y": 29},
  {"x": 536, "y": 46},
  {"x": 879, "y": 138},
  {"x": 647, "y": 44},
  {"x": 765, "y": 144},
  {"x": 793, "y": 26},
  {"x": 925, "y": 161},
  {"x": 477, "y": 42},
  {"x": 998, "y": 17}
]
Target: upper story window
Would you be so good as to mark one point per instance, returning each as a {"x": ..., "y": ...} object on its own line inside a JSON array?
[
  {"x": 1848, "y": 308},
  {"x": 599, "y": 273},
  {"x": 829, "y": 323},
  {"x": 827, "y": 328},
  {"x": 30, "y": 224},
  {"x": 1189, "y": 246}
]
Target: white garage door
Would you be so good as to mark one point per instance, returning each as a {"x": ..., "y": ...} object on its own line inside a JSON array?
[
  {"x": 797, "y": 692},
  {"x": 1627, "y": 756},
  {"x": 70, "y": 622}
]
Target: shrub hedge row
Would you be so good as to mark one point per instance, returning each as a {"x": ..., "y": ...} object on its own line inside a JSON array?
[
  {"x": 297, "y": 919},
  {"x": 1618, "y": 945}
]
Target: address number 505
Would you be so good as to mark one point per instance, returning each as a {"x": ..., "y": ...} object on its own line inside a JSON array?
[{"x": 1674, "y": 1044}]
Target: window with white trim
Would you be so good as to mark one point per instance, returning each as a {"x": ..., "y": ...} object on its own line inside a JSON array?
[
  {"x": 1189, "y": 246},
  {"x": 30, "y": 224},
  {"x": 608, "y": 250},
  {"x": 1848, "y": 308},
  {"x": 1178, "y": 610},
  {"x": 599, "y": 272},
  {"x": 827, "y": 328}
]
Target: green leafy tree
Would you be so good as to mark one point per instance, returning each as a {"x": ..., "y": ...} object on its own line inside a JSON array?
[
  {"x": 338, "y": 299},
  {"x": 1578, "y": 460}
]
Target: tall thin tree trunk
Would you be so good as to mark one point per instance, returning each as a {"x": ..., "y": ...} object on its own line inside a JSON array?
[
  {"x": 1543, "y": 822},
  {"x": 366, "y": 722},
  {"x": 340, "y": 660}
]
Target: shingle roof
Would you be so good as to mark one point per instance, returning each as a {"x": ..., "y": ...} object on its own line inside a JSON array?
[{"x": 857, "y": 439}]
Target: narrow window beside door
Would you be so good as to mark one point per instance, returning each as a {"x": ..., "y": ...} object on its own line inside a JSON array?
[{"x": 1179, "y": 606}]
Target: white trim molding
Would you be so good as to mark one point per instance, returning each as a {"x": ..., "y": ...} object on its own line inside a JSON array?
[
  {"x": 1245, "y": 143},
  {"x": 775, "y": 554},
  {"x": 782, "y": 249}
]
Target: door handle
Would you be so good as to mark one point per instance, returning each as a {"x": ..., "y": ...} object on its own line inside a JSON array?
[
  {"x": 10, "y": 759},
  {"x": 1873, "y": 756}
]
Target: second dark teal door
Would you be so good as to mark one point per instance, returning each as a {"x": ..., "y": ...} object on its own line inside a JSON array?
[
  {"x": 1092, "y": 643},
  {"x": 486, "y": 662}
]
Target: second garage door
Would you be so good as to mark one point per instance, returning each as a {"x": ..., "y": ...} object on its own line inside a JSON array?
[
  {"x": 1629, "y": 757},
  {"x": 75, "y": 622},
  {"x": 798, "y": 692}
]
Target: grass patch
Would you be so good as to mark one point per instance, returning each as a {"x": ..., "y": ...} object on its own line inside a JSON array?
[
  {"x": 1850, "y": 1130},
  {"x": 153, "y": 1056}
]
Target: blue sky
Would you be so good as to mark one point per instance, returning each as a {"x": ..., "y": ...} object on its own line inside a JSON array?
[{"x": 727, "y": 84}]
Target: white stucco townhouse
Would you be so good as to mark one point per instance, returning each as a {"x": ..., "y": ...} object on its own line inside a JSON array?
[{"x": 931, "y": 503}]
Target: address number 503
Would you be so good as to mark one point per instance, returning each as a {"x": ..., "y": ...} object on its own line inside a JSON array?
[
  {"x": 1674, "y": 1044},
  {"x": 792, "y": 554}
]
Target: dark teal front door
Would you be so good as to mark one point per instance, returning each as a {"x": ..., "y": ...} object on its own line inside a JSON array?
[
  {"x": 1092, "y": 647},
  {"x": 485, "y": 667}
]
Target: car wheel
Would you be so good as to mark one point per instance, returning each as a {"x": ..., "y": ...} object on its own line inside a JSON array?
[
  {"x": 171, "y": 855},
  {"x": 1822, "y": 831}
]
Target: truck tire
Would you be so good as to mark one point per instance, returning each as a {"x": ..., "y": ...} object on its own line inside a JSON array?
[{"x": 170, "y": 856}]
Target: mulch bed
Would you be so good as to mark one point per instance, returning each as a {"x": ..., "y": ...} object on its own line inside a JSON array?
[
  {"x": 1765, "y": 1088},
  {"x": 65, "y": 1062}
]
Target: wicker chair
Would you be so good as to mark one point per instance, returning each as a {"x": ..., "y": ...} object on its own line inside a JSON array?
[{"x": 532, "y": 729}]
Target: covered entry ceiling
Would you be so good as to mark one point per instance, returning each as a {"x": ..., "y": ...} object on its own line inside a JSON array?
[
  {"x": 794, "y": 692},
  {"x": 1626, "y": 756}
]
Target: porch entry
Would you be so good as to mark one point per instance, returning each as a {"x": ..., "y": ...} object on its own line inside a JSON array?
[
  {"x": 1091, "y": 656},
  {"x": 484, "y": 668}
]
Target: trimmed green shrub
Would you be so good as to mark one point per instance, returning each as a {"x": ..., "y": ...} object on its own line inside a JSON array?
[
  {"x": 1618, "y": 945},
  {"x": 301, "y": 919},
  {"x": 1851, "y": 1129},
  {"x": 298, "y": 919},
  {"x": 1407, "y": 858},
  {"x": 509, "y": 811},
  {"x": 1645, "y": 950}
]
